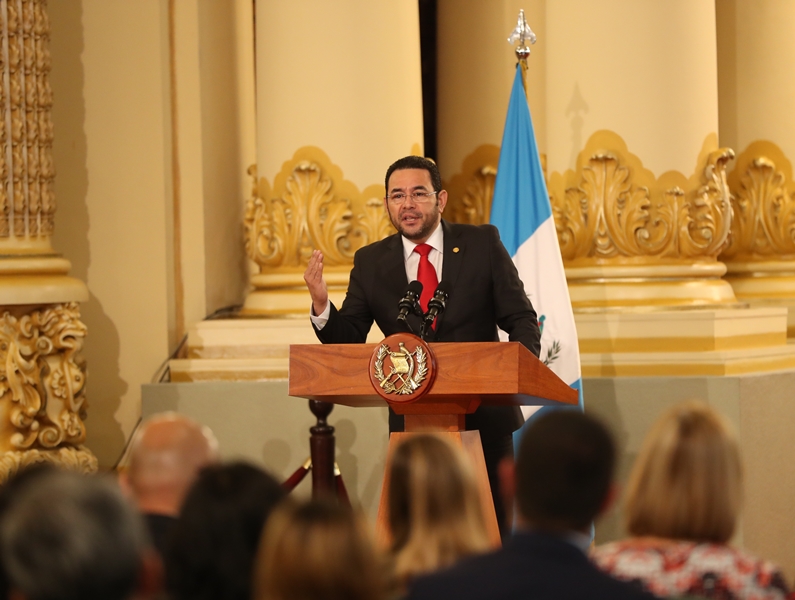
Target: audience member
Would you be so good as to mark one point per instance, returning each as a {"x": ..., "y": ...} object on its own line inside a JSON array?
[
  {"x": 317, "y": 551},
  {"x": 435, "y": 515},
  {"x": 561, "y": 481},
  {"x": 682, "y": 503},
  {"x": 212, "y": 546},
  {"x": 166, "y": 455},
  {"x": 66, "y": 536},
  {"x": 9, "y": 490}
]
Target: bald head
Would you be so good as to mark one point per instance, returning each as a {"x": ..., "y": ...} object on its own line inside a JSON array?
[{"x": 166, "y": 455}]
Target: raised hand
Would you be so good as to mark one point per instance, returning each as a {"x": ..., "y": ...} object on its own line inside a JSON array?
[{"x": 313, "y": 276}]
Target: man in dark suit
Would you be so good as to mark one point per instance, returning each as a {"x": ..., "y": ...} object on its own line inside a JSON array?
[
  {"x": 483, "y": 285},
  {"x": 562, "y": 480}
]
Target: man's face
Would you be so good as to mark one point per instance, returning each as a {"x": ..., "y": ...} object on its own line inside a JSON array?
[{"x": 415, "y": 218}]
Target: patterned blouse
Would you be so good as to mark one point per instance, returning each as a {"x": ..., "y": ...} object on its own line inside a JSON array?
[{"x": 669, "y": 568}]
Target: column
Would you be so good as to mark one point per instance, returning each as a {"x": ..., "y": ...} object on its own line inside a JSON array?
[
  {"x": 338, "y": 99},
  {"x": 756, "y": 57},
  {"x": 42, "y": 372},
  {"x": 632, "y": 119},
  {"x": 638, "y": 185}
]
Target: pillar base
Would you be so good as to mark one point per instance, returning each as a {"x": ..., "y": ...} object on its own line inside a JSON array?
[
  {"x": 679, "y": 342},
  {"x": 765, "y": 284},
  {"x": 245, "y": 349},
  {"x": 285, "y": 294},
  {"x": 617, "y": 287},
  {"x": 38, "y": 279}
]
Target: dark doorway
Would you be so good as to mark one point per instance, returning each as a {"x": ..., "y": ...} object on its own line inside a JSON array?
[{"x": 428, "y": 62}]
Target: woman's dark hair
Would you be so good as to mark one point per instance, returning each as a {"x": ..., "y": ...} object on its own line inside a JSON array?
[{"x": 213, "y": 544}]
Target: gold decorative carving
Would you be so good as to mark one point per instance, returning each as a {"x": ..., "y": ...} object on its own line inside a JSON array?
[
  {"x": 27, "y": 201},
  {"x": 42, "y": 380},
  {"x": 763, "y": 228},
  {"x": 475, "y": 205},
  {"x": 471, "y": 190},
  {"x": 611, "y": 209},
  {"x": 311, "y": 206}
]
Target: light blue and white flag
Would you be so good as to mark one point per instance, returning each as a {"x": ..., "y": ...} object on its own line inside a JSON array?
[{"x": 522, "y": 212}]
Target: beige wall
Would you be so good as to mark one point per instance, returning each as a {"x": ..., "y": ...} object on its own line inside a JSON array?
[
  {"x": 111, "y": 156},
  {"x": 115, "y": 184}
]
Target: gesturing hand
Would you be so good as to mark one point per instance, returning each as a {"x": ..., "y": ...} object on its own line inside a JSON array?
[{"x": 313, "y": 276}]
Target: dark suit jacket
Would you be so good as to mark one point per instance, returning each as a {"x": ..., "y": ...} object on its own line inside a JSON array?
[
  {"x": 484, "y": 292},
  {"x": 530, "y": 566}
]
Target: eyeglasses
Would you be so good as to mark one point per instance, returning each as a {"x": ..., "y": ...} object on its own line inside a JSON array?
[{"x": 416, "y": 197}]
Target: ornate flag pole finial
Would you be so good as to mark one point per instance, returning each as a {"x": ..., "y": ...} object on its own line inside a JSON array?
[{"x": 522, "y": 33}]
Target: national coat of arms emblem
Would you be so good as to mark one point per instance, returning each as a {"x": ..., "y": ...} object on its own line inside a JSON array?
[
  {"x": 407, "y": 371},
  {"x": 402, "y": 368}
]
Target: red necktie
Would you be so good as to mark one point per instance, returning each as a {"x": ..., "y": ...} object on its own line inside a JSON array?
[{"x": 426, "y": 275}]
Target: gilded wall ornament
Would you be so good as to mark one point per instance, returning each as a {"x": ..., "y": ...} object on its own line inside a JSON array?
[
  {"x": 475, "y": 204},
  {"x": 611, "y": 208},
  {"x": 311, "y": 206},
  {"x": 763, "y": 228},
  {"x": 42, "y": 380},
  {"x": 470, "y": 191}
]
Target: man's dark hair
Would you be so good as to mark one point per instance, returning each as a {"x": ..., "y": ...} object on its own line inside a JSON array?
[
  {"x": 415, "y": 162},
  {"x": 213, "y": 544},
  {"x": 563, "y": 470},
  {"x": 66, "y": 536}
]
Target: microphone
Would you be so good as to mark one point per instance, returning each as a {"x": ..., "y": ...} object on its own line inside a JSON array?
[
  {"x": 436, "y": 306},
  {"x": 410, "y": 303}
]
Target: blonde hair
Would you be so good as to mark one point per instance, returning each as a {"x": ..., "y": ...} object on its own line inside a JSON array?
[
  {"x": 435, "y": 515},
  {"x": 686, "y": 482},
  {"x": 316, "y": 550}
]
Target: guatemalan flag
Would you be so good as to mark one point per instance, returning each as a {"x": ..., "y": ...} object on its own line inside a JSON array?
[{"x": 522, "y": 212}]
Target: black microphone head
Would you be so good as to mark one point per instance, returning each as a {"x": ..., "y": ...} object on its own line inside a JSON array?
[
  {"x": 415, "y": 288},
  {"x": 443, "y": 289}
]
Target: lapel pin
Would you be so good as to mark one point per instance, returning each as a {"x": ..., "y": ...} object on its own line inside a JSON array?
[{"x": 455, "y": 250}]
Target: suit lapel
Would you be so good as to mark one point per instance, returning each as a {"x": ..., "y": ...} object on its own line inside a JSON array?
[
  {"x": 454, "y": 250},
  {"x": 393, "y": 268}
]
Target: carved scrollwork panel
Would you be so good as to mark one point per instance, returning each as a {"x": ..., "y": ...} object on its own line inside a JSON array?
[
  {"x": 311, "y": 206},
  {"x": 612, "y": 208},
  {"x": 43, "y": 377},
  {"x": 764, "y": 206},
  {"x": 371, "y": 224},
  {"x": 27, "y": 202},
  {"x": 471, "y": 190},
  {"x": 474, "y": 207}
]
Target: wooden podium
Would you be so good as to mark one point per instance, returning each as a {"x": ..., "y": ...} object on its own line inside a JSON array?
[{"x": 467, "y": 374}]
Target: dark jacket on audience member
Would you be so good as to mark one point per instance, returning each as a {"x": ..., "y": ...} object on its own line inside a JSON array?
[
  {"x": 530, "y": 566},
  {"x": 159, "y": 527}
]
